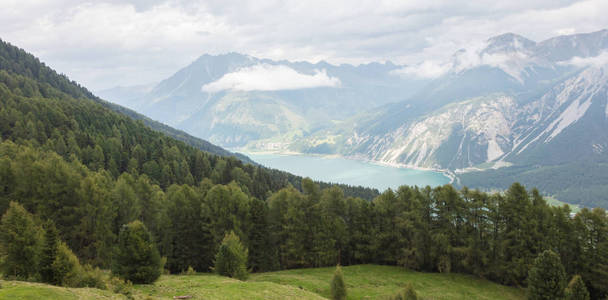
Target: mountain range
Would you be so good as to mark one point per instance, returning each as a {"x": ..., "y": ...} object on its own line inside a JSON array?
[{"x": 508, "y": 109}]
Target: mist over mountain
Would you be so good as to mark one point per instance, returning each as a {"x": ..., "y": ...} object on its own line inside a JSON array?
[{"x": 236, "y": 100}]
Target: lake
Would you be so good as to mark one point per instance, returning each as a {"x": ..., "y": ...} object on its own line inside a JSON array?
[{"x": 348, "y": 171}]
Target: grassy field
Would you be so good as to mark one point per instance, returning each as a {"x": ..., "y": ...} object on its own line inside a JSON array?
[
  {"x": 35, "y": 291},
  {"x": 377, "y": 282},
  {"x": 363, "y": 282}
]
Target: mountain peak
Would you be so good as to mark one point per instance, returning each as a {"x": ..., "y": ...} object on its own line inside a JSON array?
[
  {"x": 508, "y": 42},
  {"x": 565, "y": 47}
]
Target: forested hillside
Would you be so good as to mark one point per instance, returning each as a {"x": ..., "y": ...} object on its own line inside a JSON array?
[{"x": 68, "y": 160}]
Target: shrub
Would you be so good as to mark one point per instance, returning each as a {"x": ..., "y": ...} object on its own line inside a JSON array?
[
  {"x": 408, "y": 293},
  {"x": 231, "y": 258},
  {"x": 137, "y": 258},
  {"x": 94, "y": 277},
  {"x": 190, "y": 271},
  {"x": 119, "y": 286},
  {"x": 338, "y": 287}
]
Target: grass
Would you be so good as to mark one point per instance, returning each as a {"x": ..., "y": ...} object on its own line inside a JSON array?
[
  {"x": 554, "y": 202},
  {"x": 377, "y": 282},
  {"x": 363, "y": 282},
  {"x": 209, "y": 286},
  {"x": 28, "y": 290}
]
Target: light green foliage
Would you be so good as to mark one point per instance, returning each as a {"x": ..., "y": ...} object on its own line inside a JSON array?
[
  {"x": 547, "y": 278},
  {"x": 338, "y": 286},
  {"x": 137, "y": 259},
  {"x": 66, "y": 267},
  {"x": 20, "y": 242},
  {"x": 231, "y": 258},
  {"x": 576, "y": 289}
]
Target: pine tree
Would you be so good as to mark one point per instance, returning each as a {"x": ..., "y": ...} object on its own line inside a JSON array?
[
  {"x": 21, "y": 240},
  {"x": 49, "y": 253},
  {"x": 546, "y": 278},
  {"x": 261, "y": 256},
  {"x": 231, "y": 258},
  {"x": 137, "y": 258},
  {"x": 576, "y": 289},
  {"x": 338, "y": 287}
]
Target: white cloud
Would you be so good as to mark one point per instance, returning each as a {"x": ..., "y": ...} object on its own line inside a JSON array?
[
  {"x": 512, "y": 63},
  {"x": 265, "y": 77},
  {"x": 427, "y": 69},
  {"x": 594, "y": 61}
]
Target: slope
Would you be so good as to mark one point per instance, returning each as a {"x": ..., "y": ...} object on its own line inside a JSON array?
[{"x": 17, "y": 61}]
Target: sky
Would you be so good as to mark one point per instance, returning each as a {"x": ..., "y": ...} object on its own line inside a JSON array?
[{"x": 107, "y": 43}]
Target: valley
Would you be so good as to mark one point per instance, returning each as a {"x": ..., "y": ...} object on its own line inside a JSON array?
[{"x": 383, "y": 150}]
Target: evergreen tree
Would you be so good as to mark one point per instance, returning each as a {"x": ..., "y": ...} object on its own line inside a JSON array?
[
  {"x": 231, "y": 258},
  {"x": 137, "y": 258},
  {"x": 66, "y": 268},
  {"x": 261, "y": 255},
  {"x": 576, "y": 289},
  {"x": 546, "y": 279},
  {"x": 49, "y": 253},
  {"x": 20, "y": 241},
  {"x": 338, "y": 287}
]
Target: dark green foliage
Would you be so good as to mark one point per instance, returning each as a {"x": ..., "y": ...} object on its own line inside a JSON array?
[
  {"x": 231, "y": 258},
  {"x": 576, "y": 289},
  {"x": 338, "y": 286},
  {"x": 547, "y": 278},
  {"x": 189, "y": 242},
  {"x": 49, "y": 254},
  {"x": 137, "y": 258},
  {"x": 580, "y": 182},
  {"x": 20, "y": 242},
  {"x": 261, "y": 253}
]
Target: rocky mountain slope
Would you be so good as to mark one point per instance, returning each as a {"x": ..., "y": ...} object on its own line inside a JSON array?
[{"x": 495, "y": 111}]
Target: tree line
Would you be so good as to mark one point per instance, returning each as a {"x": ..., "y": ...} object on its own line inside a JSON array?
[{"x": 495, "y": 236}]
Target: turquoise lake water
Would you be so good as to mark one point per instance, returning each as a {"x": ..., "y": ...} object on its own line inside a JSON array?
[{"x": 352, "y": 172}]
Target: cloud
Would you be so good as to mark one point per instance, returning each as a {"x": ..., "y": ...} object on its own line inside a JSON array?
[
  {"x": 512, "y": 63},
  {"x": 594, "y": 61},
  {"x": 428, "y": 69},
  {"x": 104, "y": 43},
  {"x": 265, "y": 77}
]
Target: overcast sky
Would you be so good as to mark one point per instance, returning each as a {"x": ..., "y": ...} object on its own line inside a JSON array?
[{"x": 107, "y": 43}]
